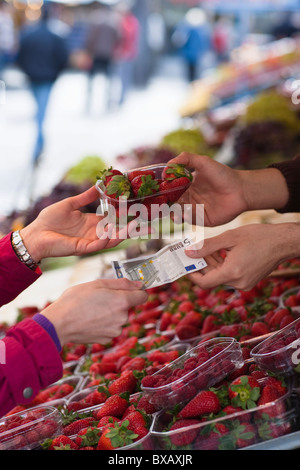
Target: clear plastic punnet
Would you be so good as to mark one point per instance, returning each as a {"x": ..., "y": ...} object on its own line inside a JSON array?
[
  {"x": 280, "y": 353},
  {"x": 150, "y": 207},
  {"x": 201, "y": 367},
  {"x": 26, "y": 430}
]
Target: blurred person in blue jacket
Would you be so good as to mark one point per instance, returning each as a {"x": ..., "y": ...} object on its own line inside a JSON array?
[
  {"x": 192, "y": 38},
  {"x": 42, "y": 56}
]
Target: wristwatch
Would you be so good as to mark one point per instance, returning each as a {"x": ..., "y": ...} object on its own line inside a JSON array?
[{"x": 21, "y": 251}]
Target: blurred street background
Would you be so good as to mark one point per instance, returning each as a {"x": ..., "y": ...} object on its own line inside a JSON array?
[{"x": 108, "y": 80}]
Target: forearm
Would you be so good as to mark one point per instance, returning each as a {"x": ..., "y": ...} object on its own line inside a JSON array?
[{"x": 264, "y": 189}]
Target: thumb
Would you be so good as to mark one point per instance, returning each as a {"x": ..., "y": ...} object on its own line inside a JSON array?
[
  {"x": 210, "y": 246},
  {"x": 85, "y": 198}
]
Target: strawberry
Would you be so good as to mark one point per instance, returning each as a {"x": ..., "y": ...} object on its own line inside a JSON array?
[
  {"x": 116, "y": 436},
  {"x": 76, "y": 426},
  {"x": 107, "y": 174},
  {"x": 186, "y": 331},
  {"x": 205, "y": 402},
  {"x": 134, "y": 173},
  {"x": 174, "y": 171},
  {"x": 60, "y": 442},
  {"x": 125, "y": 383},
  {"x": 107, "y": 420},
  {"x": 146, "y": 406},
  {"x": 281, "y": 389},
  {"x": 136, "y": 363},
  {"x": 97, "y": 397},
  {"x": 210, "y": 323},
  {"x": 173, "y": 189},
  {"x": 136, "y": 420},
  {"x": 259, "y": 328},
  {"x": 244, "y": 391},
  {"x": 212, "y": 436},
  {"x": 88, "y": 436},
  {"x": 144, "y": 185},
  {"x": 244, "y": 434},
  {"x": 118, "y": 186},
  {"x": 149, "y": 381},
  {"x": 114, "y": 406},
  {"x": 187, "y": 436}
]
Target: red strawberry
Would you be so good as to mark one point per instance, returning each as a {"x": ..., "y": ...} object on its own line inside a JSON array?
[
  {"x": 210, "y": 323},
  {"x": 60, "y": 442},
  {"x": 144, "y": 185},
  {"x": 244, "y": 391},
  {"x": 186, "y": 331},
  {"x": 277, "y": 384},
  {"x": 76, "y": 426},
  {"x": 116, "y": 436},
  {"x": 149, "y": 381},
  {"x": 88, "y": 436},
  {"x": 187, "y": 436},
  {"x": 134, "y": 173},
  {"x": 107, "y": 420},
  {"x": 136, "y": 420},
  {"x": 136, "y": 363},
  {"x": 259, "y": 328},
  {"x": 125, "y": 383},
  {"x": 174, "y": 171},
  {"x": 114, "y": 406},
  {"x": 97, "y": 397},
  {"x": 107, "y": 174},
  {"x": 205, "y": 402},
  {"x": 118, "y": 186},
  {"x": 244, "y": 434},
  {"x": 175, "y": 188},
  {"x": 212, "y": 436}
]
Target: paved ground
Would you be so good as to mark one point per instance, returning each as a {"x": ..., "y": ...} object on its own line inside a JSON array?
[{"x": 72, "y": 133}]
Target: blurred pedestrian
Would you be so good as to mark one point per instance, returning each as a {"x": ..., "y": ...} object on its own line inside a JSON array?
[
  {"x": 42, "y": 56},
  {"x": 127, "y": 49},
  {"x": 223, "y": 38},
  {"x": 101, "y": 42},
  {"x": 7, "y": 35},
  {"x": 192, "y": 38}
]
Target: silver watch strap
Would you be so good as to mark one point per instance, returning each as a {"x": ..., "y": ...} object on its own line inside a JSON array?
[{"x": 21, "y": 250}]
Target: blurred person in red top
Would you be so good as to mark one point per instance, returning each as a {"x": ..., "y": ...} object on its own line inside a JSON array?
[{"x": 127, "y": 49}]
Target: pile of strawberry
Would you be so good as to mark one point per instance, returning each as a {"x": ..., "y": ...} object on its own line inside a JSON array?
[
  {"x": 125, "y": 377},
  {"x": 145, "y": 187},
  {"x": 236, "y": 414},
  {"x": 119, "y": 422},
  {"x": 199, "y": 368},
  {"x": 28, "y": 429}
]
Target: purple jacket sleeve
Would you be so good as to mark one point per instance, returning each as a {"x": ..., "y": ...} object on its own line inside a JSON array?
[
  {"x": 29, "y": 362},
  {"x": 15, "y": 276}
]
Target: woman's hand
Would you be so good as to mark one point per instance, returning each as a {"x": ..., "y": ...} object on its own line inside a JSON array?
[
  {"x": 62, "y": 229},
  {"x": 94, "y": 312}
]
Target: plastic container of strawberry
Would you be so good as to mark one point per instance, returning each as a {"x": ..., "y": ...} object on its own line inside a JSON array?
[
  {"x": 217, "y": 358},
  {"x": 28, "y": 429},
  {"x": 122, "y": 206},
  {"x": 278, "y": 353},
  {"x": 239, "y": 429},
  {"x": 145, "y": 443},
  {"x": 287, "y": 295}
]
